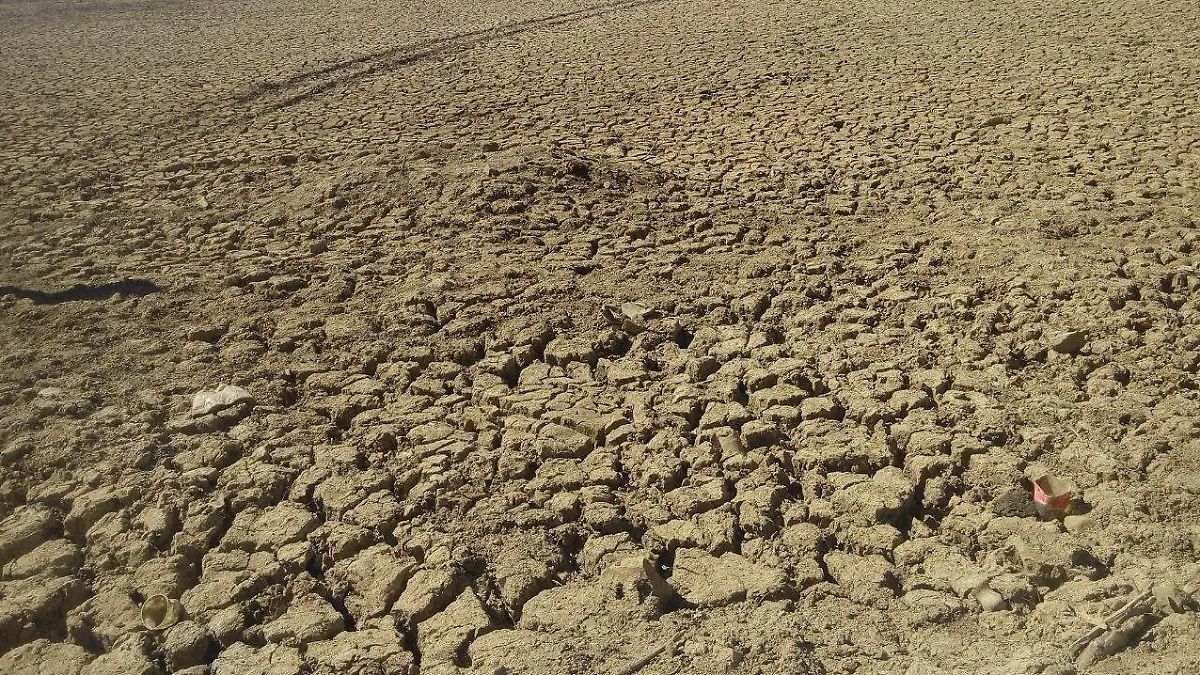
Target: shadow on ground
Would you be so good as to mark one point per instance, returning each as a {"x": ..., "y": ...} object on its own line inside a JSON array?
[{"x": 125, "y": 287}]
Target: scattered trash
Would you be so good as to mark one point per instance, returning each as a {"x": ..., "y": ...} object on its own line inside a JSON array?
[
  {"x": 1170, "y": 599},
  {"x": 1118, "y": 630},
  {"x": 729, "y": 444},
  {"x": 575, "y": 167},
  {"x": 215, "y": 400},
  {"x": 1051, "y": 497},
  {"x": 160, "y": 612},
  {"x": 630, "y": 316}
]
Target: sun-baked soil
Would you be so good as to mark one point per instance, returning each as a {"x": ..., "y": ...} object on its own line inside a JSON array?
[{"x": 552, "y": 337}]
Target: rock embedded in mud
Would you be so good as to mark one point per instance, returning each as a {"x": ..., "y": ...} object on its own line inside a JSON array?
[
  {"x": 308, "y": 618},
  {"x": 370, "y": 651},
  {"x": 215, "y": 410},
  {"x": 886, "y": 497},
  {"x": 271, "y": 659},
  {"x": 442, "y": 637},
  {"x": 1069, "y": 342},
  {"x": 704, "y": 580},
  {"x": 43, "y": 657},
  {"x": 24, "y": 530},
  {"x": 57, "y": 557},
  {"x": 988, "y": 599},
  {"x": 866, "y": 575},
  {"x": 371, "y": 581},
  {"x": 185, "y": 645}
]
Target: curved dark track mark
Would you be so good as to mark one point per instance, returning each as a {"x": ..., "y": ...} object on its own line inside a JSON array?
[{"x": 278, "y": 95}]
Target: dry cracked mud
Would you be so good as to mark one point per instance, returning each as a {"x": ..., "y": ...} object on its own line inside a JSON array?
[{"x": 658, "y": 336}]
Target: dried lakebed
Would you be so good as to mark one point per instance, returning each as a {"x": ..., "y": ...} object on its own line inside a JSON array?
[{"x": 657, "y": 337}]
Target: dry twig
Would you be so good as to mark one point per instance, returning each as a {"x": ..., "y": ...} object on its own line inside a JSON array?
[{"x": 643, "y": 661}]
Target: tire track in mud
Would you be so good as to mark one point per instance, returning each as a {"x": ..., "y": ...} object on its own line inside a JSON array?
[{"x": 273, "y": 96}]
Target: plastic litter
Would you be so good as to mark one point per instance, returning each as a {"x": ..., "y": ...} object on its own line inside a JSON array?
[
  {"x": 160, "y": 612},
  {"x": 631, "y": 317},
  {"x": 1051, "y": 497}
]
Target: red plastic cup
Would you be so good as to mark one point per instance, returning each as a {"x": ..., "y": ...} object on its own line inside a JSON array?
[{"x": 1051, "y": 497}]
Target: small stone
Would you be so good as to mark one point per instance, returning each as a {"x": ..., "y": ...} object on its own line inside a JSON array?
[
  {"x": 35, "y": 658},
  {"x": 1078, "y": 524},
  {"x": 271, "y": 659},
  {"x": 185, "y": 645},
  {"x": 704, "y": 580},
  {"x": 372, "y": 651},
  {"x": 990, "y": 600},
  {"x": 1069, "y": 342},
  {"x": 309, "y": 619},
  {"x": 869, "y": 574},
  {"x": 821, "y": 407},
  {"x": 445, "y": 635}
]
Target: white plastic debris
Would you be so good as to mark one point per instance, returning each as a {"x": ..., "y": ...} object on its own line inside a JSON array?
[{"x": 214, "y": 400}]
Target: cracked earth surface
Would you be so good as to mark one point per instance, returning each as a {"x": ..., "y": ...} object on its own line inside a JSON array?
[{"x": 538, "y": 337}]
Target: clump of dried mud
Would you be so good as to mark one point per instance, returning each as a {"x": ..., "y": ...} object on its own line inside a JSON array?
[{"x": 659, "y": 337}]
